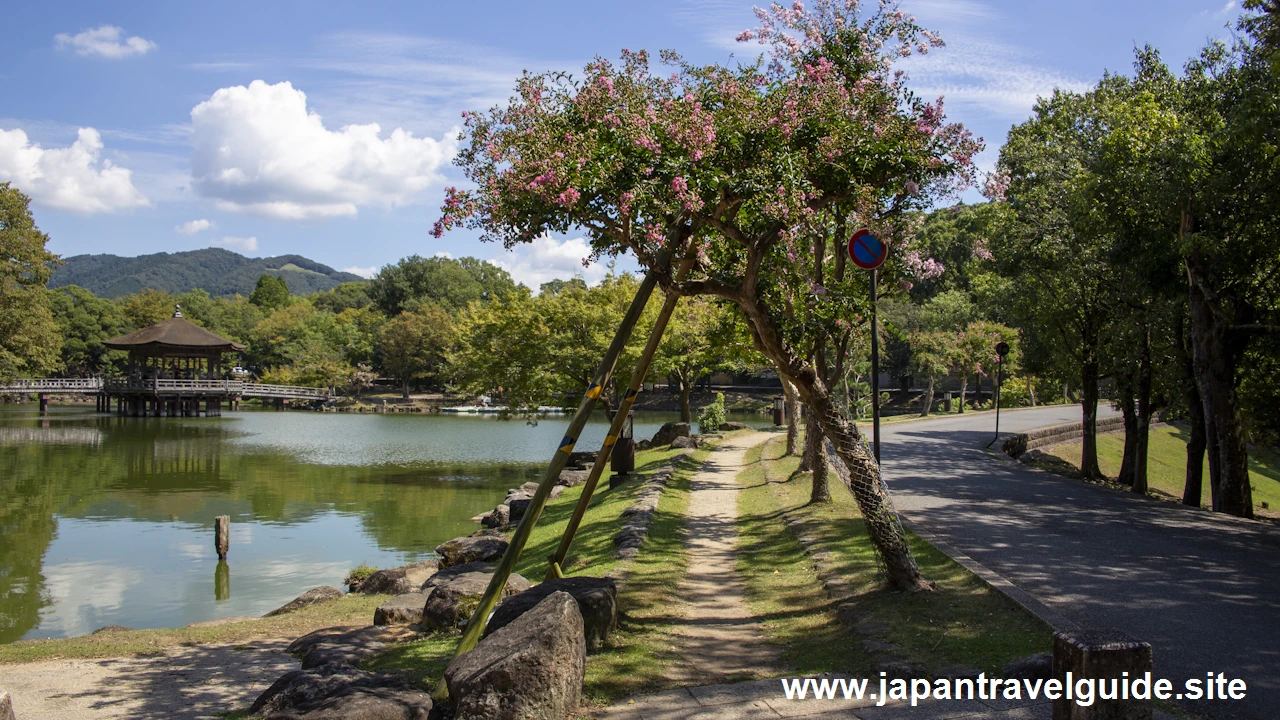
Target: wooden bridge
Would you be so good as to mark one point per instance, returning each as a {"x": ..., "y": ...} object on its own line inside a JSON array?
[{"x": 161, "y": 396}]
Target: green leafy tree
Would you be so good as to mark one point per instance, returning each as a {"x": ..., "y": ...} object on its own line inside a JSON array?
[
  {"x": 84, "y": 322},
  {"x": 271, "y": 293},
  {"x": 702, "y": 337},
  {"x": 347, "y": 296},
  {"x": 1055, "y": 247},
  {"x": 415, "y": 344},
  {"x": 148, "y": 307},
  {"x": 29, "y": 339},
  {"x": 739, "y": 164},
  {"x": 450, "y": 283}
]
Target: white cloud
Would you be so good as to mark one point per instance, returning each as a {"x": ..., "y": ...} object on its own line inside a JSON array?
[
  {"x": 719, "y": 22},
  {"x": 243, "y": 244},
  {"x": 549, "y": 259},
  {"x": 949, "y": 11},
  {"x": 106, "y": 41},
  {"x": 446, "y": 255},
  {"x": 191, "y": 227},
  {"x": 75, "y": 178},
  {"x": 257, "y": 149},
  {"x": 997, "y": 79},
  {"x": 364, "y": 272}
]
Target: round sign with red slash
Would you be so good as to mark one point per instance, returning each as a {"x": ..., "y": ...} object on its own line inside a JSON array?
[{"x": 867, "y": 251}]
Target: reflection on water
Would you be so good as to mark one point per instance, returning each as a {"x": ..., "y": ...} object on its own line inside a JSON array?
[{"x": 107, "y": 520}]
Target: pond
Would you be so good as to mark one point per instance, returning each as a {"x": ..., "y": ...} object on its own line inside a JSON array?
[{"x": 109, "y": 521}]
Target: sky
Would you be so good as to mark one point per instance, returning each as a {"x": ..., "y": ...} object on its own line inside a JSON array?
[{"x": 328, "y": 129}]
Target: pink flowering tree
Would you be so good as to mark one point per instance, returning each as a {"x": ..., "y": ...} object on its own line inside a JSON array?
[{"x": 745, "y": 167}]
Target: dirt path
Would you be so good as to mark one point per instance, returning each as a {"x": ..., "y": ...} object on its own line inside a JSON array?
[
  {"x": 719, "y": 639},
  {"x": 182, "y": 684}
]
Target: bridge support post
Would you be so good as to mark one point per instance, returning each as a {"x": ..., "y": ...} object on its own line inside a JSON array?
[
  {"x": 279, "y": 403},
  {"x": 44, "y": 403}
]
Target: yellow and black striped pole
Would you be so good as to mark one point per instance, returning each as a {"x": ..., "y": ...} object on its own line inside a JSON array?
[
  {"x": 615, "y": 428},
  {"x": 480, "y": 618}
]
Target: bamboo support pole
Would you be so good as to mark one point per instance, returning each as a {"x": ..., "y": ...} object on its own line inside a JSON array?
[
  {"x": 615, "y": 429},
  {"x": 480, "y": 618}
]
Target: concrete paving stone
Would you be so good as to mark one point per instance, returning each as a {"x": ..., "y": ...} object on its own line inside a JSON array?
[
  {"x": 737, "y": 692},
  {"x": 930, "y": 710}
]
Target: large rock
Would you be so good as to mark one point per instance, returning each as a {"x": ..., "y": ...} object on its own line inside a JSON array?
[
  {"x": 460, "y": 551},
  {"x": 398, "y": 581},
  {"x": 529, "y": 670},
  {"x": 346, "y": 645},
  {"x": 496, "y": 518},
  {"x": 516, "y": 505},
  {"x": 339, "y": 692},
  {"x": 453, "y": 598},
  {"x": 685, "y": 443},
  {"x": 728, "y": 426},
  {"x": 401, "y": 610},
  {"x": 669, "y": 432},
  {"x": 570, "y": 478},
  {"x": 582, "y": 459},
  {"x": 597, "y": 600},
  {"x": 324, "y": 593},
  {"x": 6, "y": 706}
]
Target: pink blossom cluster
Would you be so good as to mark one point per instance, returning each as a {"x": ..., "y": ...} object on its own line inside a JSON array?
[{"x": 922, "y": 269}]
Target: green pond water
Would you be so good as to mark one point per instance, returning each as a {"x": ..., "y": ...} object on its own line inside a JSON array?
[{"x": 109, "y": 521}]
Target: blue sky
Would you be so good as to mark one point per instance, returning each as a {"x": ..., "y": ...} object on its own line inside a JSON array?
[{"x": 145, "y": 126}]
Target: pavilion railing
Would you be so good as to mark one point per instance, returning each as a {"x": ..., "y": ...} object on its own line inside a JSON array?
[{"x": 52, "y": 385}]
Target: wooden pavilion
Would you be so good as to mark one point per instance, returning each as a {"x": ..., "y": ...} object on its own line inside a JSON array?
[{"x": 173, "y": 365}]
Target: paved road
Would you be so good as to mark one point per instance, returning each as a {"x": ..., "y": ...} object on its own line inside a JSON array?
[{"x": 1203, "y": 589}]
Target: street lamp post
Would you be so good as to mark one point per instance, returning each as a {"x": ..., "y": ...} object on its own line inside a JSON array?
[{"x": 1001, "y": 350}]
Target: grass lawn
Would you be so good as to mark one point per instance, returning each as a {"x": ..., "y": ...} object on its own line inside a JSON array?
[
  {"x": 635, "y": 657},
  {"x": 964, "y": 622},
  {"x": 1167, "y": 466},
  {"x": 349, "y": 610}
]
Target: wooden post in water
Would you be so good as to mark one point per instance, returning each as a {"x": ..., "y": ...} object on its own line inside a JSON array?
[
  {"x": 480, "y": 617},
  {"x": 222, "y": 535}
]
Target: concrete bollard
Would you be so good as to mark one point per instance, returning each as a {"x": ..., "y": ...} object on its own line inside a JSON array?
[
  {"x": 222, "y": 535},
  {"x": 1101, "y": 656}
]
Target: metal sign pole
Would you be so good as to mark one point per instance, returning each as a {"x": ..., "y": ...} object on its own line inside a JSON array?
[{"x": 875, "y": 369}]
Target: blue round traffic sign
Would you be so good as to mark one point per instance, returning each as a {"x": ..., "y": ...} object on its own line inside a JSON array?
[{"x": 867, "y": 251}]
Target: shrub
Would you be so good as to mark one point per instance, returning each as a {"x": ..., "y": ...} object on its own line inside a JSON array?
[
  {"x": 359, "y": 574},
  {"x": 711, "y": 417}
]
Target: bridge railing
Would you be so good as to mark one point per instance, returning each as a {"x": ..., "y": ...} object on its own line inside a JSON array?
[
  {"x": 54, "y": 385},
  {"x": 283, "y": 391}
]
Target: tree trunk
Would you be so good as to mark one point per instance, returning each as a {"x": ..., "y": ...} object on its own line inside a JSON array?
[
  {"x": 404, "y": 389},
  {"x": 686, "y": 406},
  {"x": 793, "y": 418},
  {"x": 806, "y": 457},
  {"x": 1217, "y": 352},
  {"x": 964, "y": 388},
  {"x": 1193, "y": 487},
  {"x": 1031, "y": 391},
  {"x": 863, "y": 473},
  {"x": 1145, "y": 410},
  {"x": 927, "y": 405},
  {"x": 1089, "y": 416},
  {"x": 1125, "y": 388},
  {"x": 815, "y": 454}
]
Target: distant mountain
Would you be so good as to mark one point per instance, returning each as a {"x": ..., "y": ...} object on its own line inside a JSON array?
[{"x": 217, "y": 271}]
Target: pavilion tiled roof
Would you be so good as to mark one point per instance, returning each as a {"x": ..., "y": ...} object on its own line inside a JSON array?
[{"x": 176, "y": 333}]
